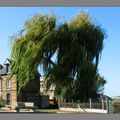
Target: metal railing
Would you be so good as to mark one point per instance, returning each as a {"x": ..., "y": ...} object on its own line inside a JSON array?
[{"x": 91, "y": 105}]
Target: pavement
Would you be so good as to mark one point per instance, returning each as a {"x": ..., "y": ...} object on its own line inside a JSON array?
[
  {"x": 3, "y": 109},
  {"x": 48, "y": 111}
]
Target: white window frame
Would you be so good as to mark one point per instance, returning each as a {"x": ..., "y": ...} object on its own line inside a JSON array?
[{"x": 8, "y": 84}]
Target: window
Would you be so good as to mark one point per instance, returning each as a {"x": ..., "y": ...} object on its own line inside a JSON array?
[
  {"x": 8, "y": 84},
  {"x": 9, "y": 69},
  {"x": 8, "y": 98}
]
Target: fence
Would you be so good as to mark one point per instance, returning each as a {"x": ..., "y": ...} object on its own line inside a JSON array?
[
  {"x": 116, "y": 107},
  {"x": 99, "y": 107}
]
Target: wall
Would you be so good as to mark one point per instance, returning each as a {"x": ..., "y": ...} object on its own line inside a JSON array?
[
  {"x": 13, "y": 88},
  {"x": 31, "y": 93},
  {"x": 44, "y": 90}
]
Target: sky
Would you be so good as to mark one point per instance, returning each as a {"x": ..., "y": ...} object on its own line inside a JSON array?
[{"x": 12, "y": 20}]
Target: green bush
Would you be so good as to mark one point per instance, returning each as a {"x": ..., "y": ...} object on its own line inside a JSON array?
[{"x": 3, "y": 103}]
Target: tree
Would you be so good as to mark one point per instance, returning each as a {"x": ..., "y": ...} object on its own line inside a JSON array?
[
  {"x": 100, "y": 82},
  {"x": 75, "y": 47}
]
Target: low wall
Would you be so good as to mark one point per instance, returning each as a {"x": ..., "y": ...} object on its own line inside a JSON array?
[
  {"x": 44, "y": 101},
  {"x": 83, "y": 110}
]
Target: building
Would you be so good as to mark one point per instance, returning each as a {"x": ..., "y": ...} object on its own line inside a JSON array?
[
  {"x": 9, "y": 87},
  {"x": 44, "y": 91},
  {"x": 35, "y": 91}
]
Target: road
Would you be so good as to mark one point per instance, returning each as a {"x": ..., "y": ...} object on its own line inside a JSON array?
[{"x": 59, "y": 116}]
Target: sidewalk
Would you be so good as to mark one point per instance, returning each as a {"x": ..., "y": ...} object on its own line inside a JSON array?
[
  {"x": 49, "y": 111},
  {"x": 29, "y": 111}
]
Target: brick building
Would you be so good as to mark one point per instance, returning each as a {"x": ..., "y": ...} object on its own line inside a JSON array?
[{"x": 9, "y": 87}]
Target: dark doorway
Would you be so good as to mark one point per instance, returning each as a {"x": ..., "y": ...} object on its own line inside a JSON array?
[{"x": 8, "y": 98}]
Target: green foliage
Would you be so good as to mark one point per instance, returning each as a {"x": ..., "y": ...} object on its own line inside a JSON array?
[
  {"x": 77, "y": 46},
  {"x": 3, "y": 103},
  {"x": 100, "y": 82},
  {"x": 29, "y": 49}
]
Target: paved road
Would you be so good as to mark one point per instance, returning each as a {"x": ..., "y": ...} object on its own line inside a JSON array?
[{"x": 36, "y": 116}]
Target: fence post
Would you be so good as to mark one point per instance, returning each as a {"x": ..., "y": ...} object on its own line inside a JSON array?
[
  {"x": 110, "y": 103},
  {"x": 90, "y": 105},
  {"x": 59, "y": 102},
  {"x": 107, "y": 105},
  {"x": 102, "y": 104}
]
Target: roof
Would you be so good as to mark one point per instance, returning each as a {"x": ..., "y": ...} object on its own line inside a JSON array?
[
  {"x": 3, "y": 67},
  {"x": 7, "y": 61},
  {"x": 3, "y": 71},
  {"x": 99, "y": 97}
]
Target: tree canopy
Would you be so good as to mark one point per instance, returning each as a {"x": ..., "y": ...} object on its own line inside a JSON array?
[{"x": 69, "y": 52}]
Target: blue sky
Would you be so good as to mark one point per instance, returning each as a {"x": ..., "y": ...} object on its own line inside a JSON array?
[{"x": 12, "y": 20}]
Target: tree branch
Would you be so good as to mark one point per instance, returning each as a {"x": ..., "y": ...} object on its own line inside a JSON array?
[{"x": 49, "y": 60}]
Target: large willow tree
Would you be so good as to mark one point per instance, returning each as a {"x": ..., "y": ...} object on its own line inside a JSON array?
[{"x": 68, "y": 52}]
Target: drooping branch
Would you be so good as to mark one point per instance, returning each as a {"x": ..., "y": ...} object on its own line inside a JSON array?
[
  {"x": 49, "y": 60},
  {"x": 78, "y": 43}
]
